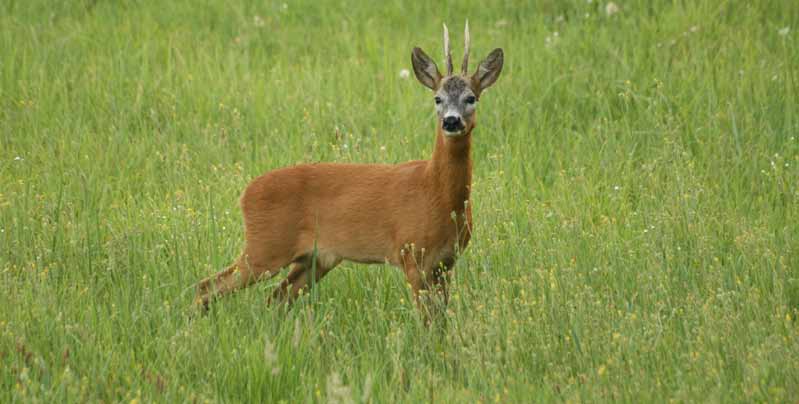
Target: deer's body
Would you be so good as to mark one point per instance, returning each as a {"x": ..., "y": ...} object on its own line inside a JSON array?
[{"x": 414, "y": 215}]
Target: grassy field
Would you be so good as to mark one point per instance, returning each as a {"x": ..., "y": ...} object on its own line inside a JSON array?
[{"x": 636, "y": 201}]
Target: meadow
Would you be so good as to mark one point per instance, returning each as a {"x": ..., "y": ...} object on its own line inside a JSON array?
[{"x": 635, "y": 196}]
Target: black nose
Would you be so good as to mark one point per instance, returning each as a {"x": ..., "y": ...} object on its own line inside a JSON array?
[{"x": 452, "y": 123}]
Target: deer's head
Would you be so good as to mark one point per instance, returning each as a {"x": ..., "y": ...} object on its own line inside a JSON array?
[{"x": 456, "y": 95}]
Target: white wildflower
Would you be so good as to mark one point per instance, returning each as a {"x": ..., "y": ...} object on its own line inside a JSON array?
[
  {"x": 552, "y": 39},
  {"x": 337, "y": 392},
  {"x": 784, "y": 31},
  {"x": 611, "y": 8},
  {"x": 404, "y": 73},
  {"x": 367, "y": 389}
]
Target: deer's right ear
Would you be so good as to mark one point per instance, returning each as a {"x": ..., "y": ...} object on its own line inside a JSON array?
[{"x": 425, "y": 69}]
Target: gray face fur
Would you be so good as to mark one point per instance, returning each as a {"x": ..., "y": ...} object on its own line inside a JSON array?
[
  {"x": 455, "y": 105},
  {"x": 456, "y": 95}
]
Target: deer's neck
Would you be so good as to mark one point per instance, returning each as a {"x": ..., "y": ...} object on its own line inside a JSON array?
[{"x": 450, "y": 170}]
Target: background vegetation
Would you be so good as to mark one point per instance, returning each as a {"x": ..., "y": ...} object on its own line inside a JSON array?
[{"x": 636, "y": 200}]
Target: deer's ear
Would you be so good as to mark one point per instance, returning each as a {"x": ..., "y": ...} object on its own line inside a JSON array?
[
  {"x": 425, "y": 69},
  {"x": 488, "y": 70}
]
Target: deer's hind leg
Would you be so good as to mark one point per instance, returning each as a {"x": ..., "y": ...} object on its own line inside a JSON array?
[
  {"x": 303, "y": 274},
  {"x": 252, "y": 266}
]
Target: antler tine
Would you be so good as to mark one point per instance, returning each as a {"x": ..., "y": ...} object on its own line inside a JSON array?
[
  {"x": 466, "y": 45},
  {"x": 447, "y": 52}
]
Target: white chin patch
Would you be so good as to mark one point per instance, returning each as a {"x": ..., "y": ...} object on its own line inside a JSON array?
[{"x": 453, "y": 134}]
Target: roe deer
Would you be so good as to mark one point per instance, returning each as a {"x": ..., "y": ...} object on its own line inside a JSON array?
[{"x": 415, "y": 215}]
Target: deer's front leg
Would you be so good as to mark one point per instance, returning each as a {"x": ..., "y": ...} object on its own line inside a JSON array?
[
  {"x": 439, "y": 283},
  {"x": 428, "y": 283},
  {"x": 413, "y": 273},
  {"x": 437, "y": 294}
]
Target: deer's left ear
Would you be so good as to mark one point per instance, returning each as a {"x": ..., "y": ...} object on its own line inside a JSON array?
[
  {"x": 425, "y": 69},
  {"x": 488, "y": 70}
]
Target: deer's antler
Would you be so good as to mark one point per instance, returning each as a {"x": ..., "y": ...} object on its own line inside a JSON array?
[
  {"x": 447, "y": 52},
  {"x": 466, "y": 45}
]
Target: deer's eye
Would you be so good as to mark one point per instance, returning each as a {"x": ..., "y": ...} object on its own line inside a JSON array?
[
  {"x": 470, "y": 99},
  {"x": 438, "y": 100}
]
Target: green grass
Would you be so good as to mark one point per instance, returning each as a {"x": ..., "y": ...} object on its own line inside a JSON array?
[{"x": 636, "y": 201}]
